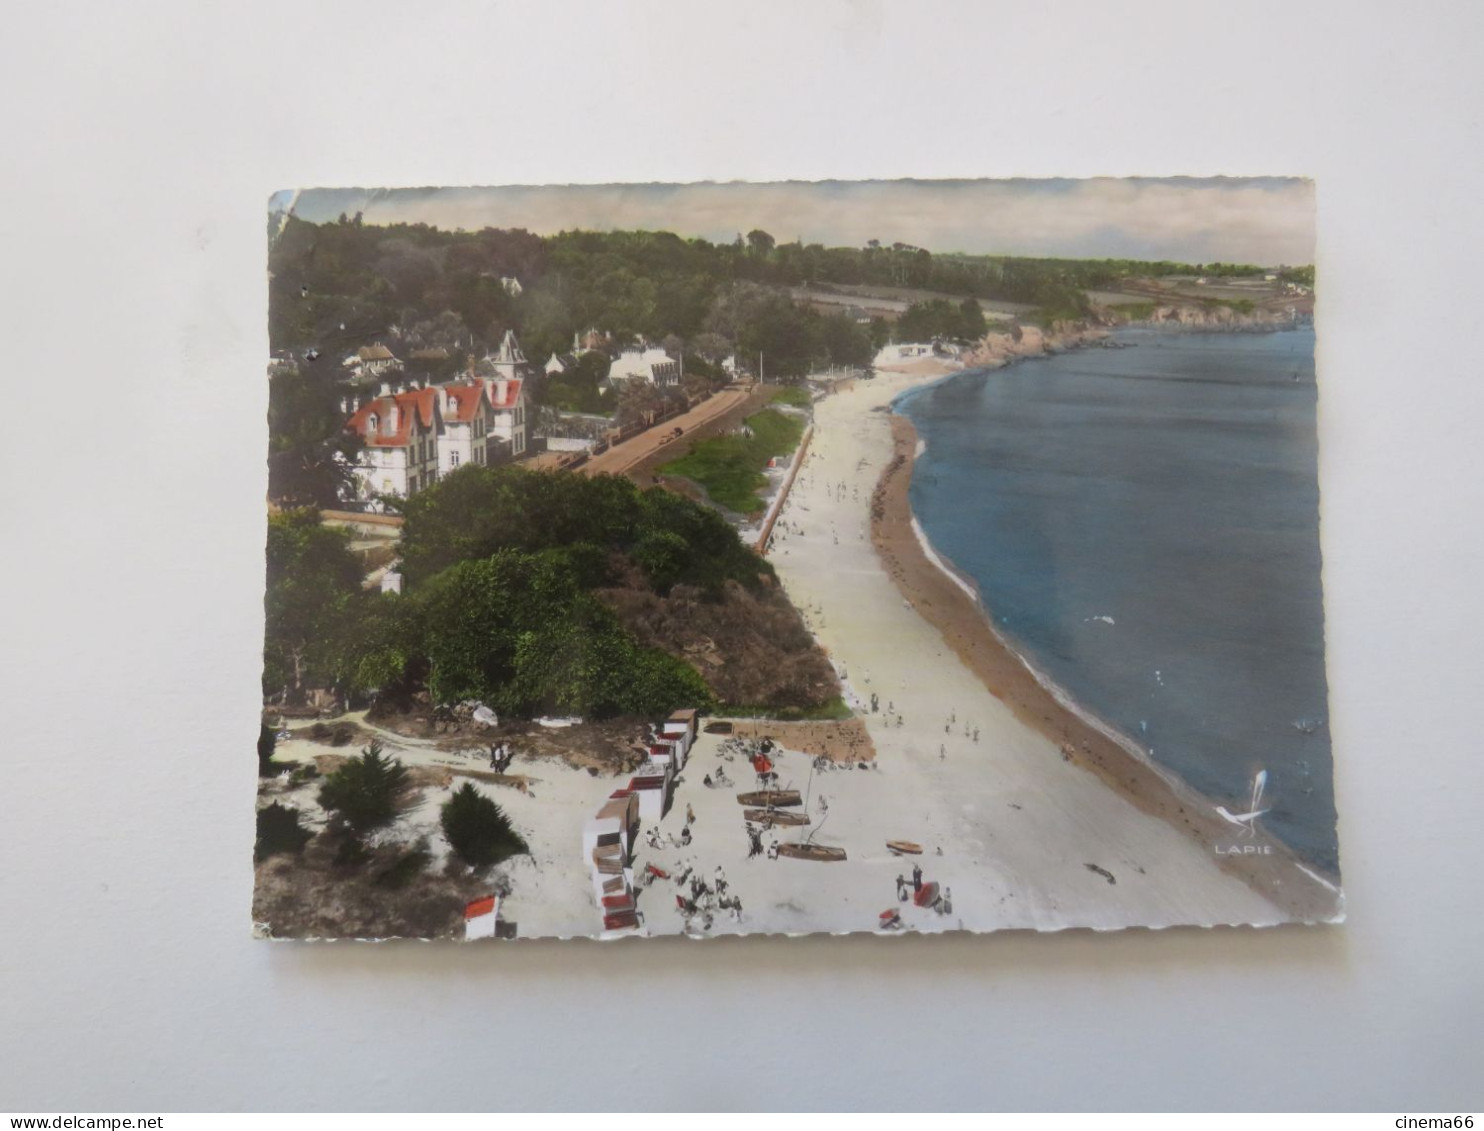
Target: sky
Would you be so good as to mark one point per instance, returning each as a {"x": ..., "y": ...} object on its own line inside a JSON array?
[{"x": 1263, "y": 220}]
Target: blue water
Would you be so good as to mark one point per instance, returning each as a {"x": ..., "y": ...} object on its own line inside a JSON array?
[{"x": 1172, "y": 487}]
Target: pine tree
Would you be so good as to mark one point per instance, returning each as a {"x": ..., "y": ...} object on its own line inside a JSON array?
[
  {"x": 279, "y": 831},
  {"x": 478, "y": 830},
  {"x": 365, "y": 791}
]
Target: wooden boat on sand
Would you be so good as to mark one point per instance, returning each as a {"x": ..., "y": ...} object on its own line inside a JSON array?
[
  {"x": 770, "y": 798},
  {"x": 775, "y": 817},
  {"x": 823, "y": 853},
  {"x": 905, "y": 847}
]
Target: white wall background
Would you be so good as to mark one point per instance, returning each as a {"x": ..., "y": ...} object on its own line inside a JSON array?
[{"x": 141, "y": 144}]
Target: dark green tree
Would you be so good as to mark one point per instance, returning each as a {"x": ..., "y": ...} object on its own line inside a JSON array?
[
  {"x": 267, "y": 740},
  {"x": 365, "y": 791},
  {"x": 844, "y": 342},
  {"x": 971, "y": 325},
  {"x": 313, "y": 589},
  {"x": 478, "y": 830},
  {"x": 279, "y": 831},
  {"x": 311, "y": 454},
  {"x": 760, "y": 243}
]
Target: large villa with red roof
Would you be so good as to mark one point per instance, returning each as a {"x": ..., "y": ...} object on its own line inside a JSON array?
[{"x": 415, "y": 435}]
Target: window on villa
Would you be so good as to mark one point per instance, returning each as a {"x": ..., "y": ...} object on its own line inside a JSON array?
[{"x": 453, "y": 459}]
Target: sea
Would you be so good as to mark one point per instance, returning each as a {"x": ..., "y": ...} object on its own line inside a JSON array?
[{"x": 1142, "y": 524}]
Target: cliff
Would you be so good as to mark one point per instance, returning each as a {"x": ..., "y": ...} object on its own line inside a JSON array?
[{"x": 1001, "y": 347}]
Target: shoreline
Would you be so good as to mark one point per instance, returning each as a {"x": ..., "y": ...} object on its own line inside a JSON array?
[
  {"x": 1024, "y": 838},
  {"x": 951, "y": 603}
]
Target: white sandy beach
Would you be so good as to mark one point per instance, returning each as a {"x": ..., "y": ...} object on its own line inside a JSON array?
[{"x": 1017, "y": 824}]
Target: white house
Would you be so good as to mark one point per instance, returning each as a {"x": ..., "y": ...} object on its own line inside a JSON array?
[
  {"x": 507, "y": 425},
  {"x": 400, "y": 432},
  {"x": 467, "y": 418},
  {"x": 559, "y": 363},
  {"x": 373, "y": 361},
  {"x": 649, "y": 363},
  {"x": 511, "y": 285},
  {"x": 507, "y": 361},
  {"x": 901, "y": 351}
]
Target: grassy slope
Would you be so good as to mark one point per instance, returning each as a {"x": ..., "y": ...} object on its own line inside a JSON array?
[{"x": 730, "y": 467}]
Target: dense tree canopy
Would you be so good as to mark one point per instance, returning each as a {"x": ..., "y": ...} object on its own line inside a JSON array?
[
  {"x": 313, "y": 591},
  {"x": 310, "y": 452},
  {"x": 939, "y": 318},
  {"x": 340, "y": 286},
  {"x": 478, "y": 511},
  {"x": 501, "y": 568}
]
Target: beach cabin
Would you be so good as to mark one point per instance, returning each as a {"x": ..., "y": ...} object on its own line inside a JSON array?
[
  {"x": 607, "y": 860},
  {"x": 669, "y": 750},
  {"x": 687, "y": 718},
  {"x": 615, "y": 825},
  {"x": 653, "y": 785},
  {"x": 626, "y": 920},
  {"x": 607, "y": 887},
  {"x": 482, "y": 918},
  {"x": 609, "y": 890},
  {"x": 663, "y": 754},
  {"x": 617, "y": 902}
]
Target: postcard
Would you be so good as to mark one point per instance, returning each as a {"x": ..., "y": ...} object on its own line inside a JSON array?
[{"x": 781, "y": 558}]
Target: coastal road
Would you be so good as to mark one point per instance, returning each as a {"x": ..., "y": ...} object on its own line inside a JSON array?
[{"x": 619, "y": 460}]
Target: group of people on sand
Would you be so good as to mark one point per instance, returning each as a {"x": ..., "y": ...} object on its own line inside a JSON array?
[
  {"x": 501, "y": 755},
  {"x": 717, "y": 780},
  {"x": 705, "y": 900},
  {"x": 942, "y": 902},
  {"x": 755, "y": 842}
]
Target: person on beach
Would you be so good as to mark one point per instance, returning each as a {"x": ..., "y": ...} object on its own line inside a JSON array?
[
  {"x": 685, "y": 837},
  {"x": 945, "y": 905},
  {"x": 901, "y": 888},
  {"x": 690, "y": 814},
  {"x": 916, "y": 878}
]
